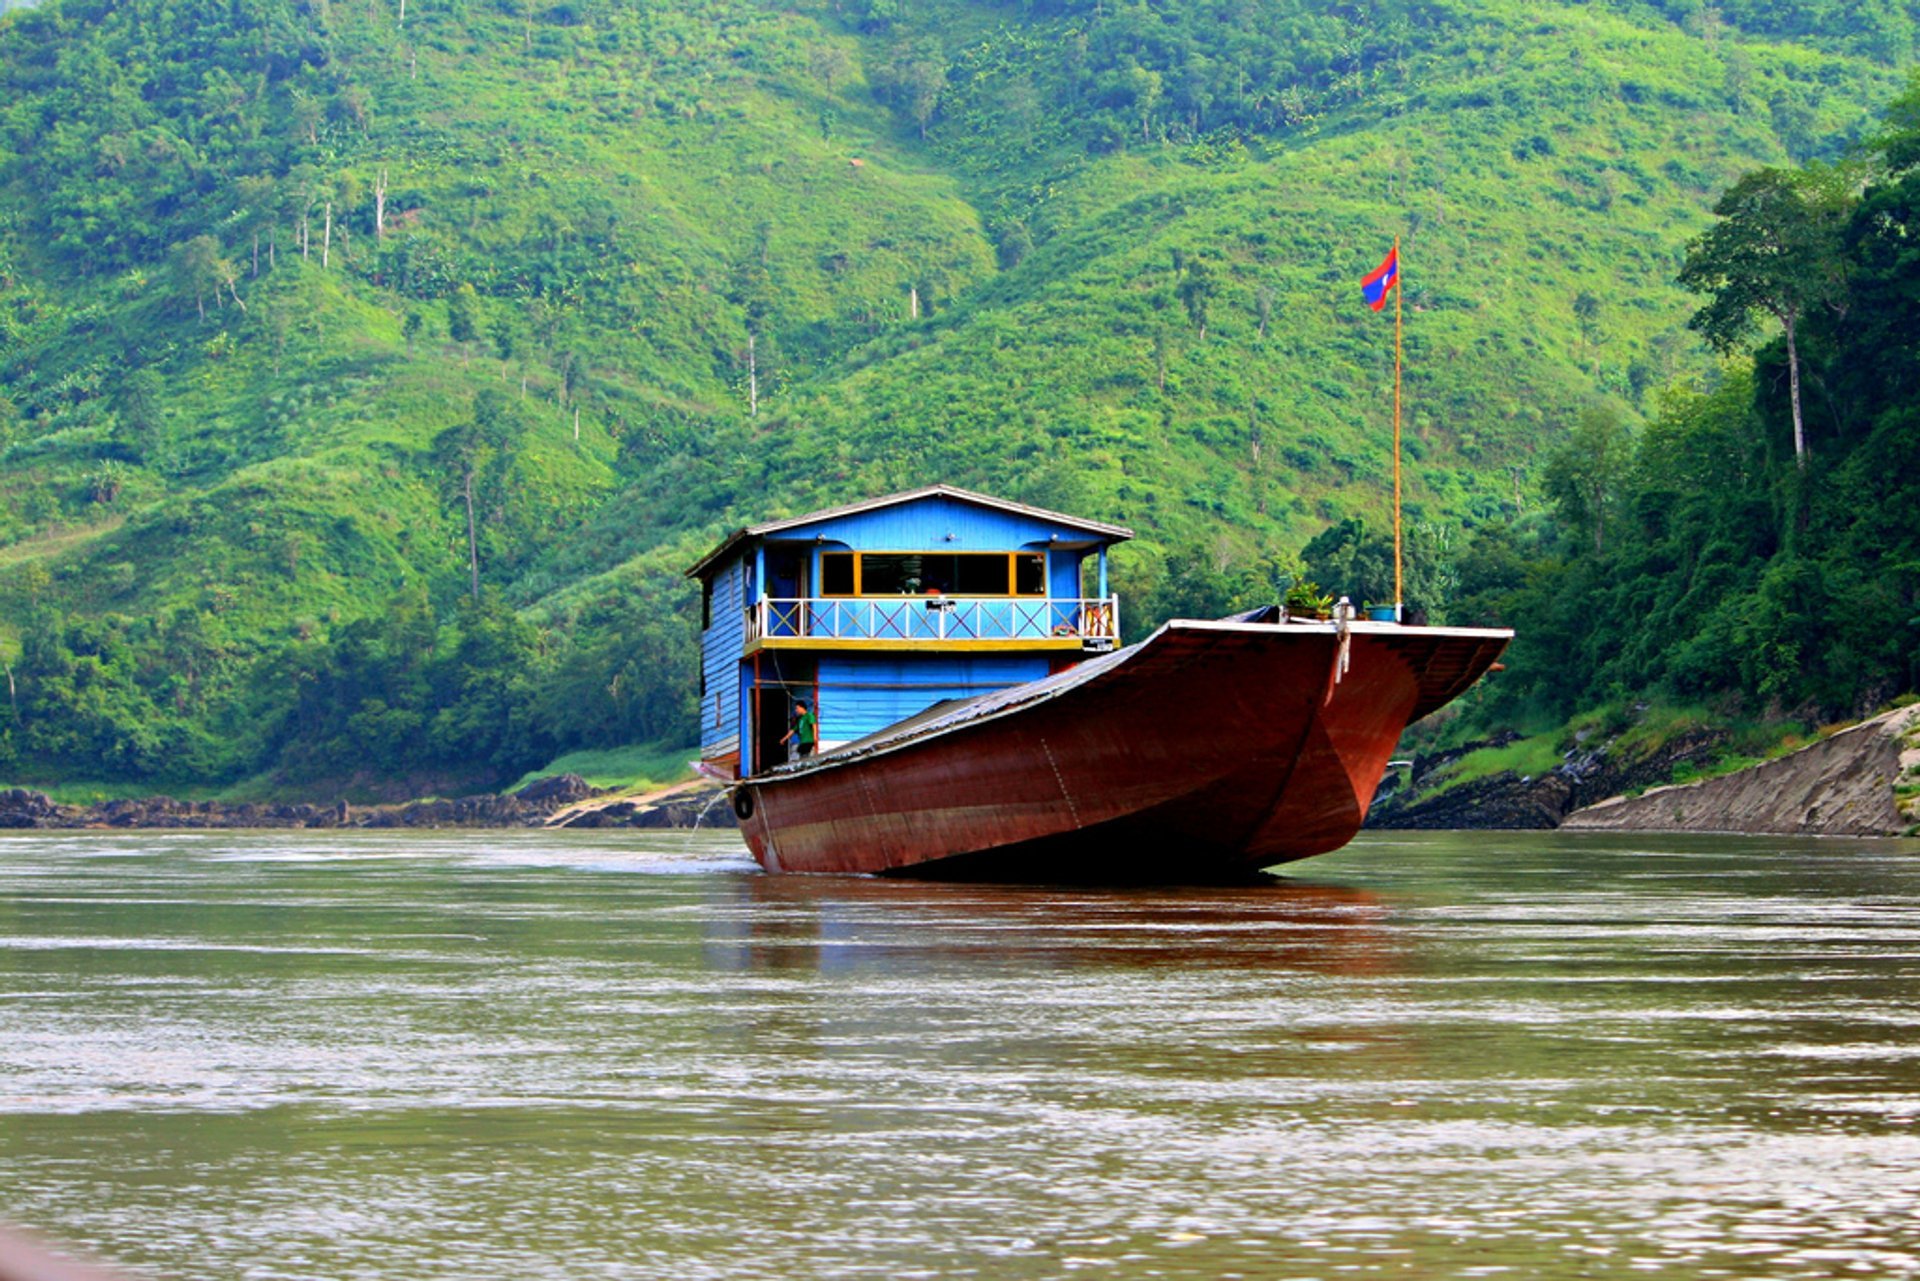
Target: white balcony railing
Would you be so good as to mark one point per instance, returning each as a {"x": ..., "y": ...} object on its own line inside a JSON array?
[{"x": 937, "y": 618}]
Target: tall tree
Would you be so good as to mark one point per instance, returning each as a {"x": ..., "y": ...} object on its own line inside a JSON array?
[
  {"x": 136, "y": 411},
  {"x": 1776, "y": 250},
  {"x": 1196, "y": 290},
  {"x": 199, "y": 269},
  {"x": 465, "y": 453},
  {"x": 1586, "y": 474},
  {"x": 463, "y": 315}
]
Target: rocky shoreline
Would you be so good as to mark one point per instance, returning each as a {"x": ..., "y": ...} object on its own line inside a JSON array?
[
  {"x": 565, "y": 800},
  {"x": 1859, "y": 782},
  {"x": 1513, "y": 801}
]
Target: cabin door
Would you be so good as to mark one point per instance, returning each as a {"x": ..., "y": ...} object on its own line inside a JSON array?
[
  {"x": 787, "y": 585},
  {"x": 775, "y": 717},
  {"x": 785, "y": 681}
]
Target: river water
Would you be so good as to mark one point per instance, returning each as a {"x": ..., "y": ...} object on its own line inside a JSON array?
[{"x": 322, "y": 1055}]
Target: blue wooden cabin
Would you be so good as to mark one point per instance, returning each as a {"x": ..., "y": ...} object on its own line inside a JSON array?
[{"x": 874, "y": 612}]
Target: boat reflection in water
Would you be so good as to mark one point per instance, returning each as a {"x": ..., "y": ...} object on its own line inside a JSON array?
[
  {"x": 1061, "y": 1001},
  {"x": 844, "y": 924}
]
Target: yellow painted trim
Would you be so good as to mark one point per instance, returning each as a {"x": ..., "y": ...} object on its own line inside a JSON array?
[{"x": 1069, "y": 643}]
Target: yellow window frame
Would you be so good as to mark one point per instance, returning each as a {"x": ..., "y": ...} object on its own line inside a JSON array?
[{"x": 1013, "y": 573}]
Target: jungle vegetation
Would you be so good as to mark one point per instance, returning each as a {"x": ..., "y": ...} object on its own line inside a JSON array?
[{"x": 370, "y": 370}]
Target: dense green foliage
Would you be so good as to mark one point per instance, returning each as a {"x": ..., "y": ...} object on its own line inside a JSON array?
[
  {"x": 1731, "y": 570},
  {"x": 307, "y": 310}
]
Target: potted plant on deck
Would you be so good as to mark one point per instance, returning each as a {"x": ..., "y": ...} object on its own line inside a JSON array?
[{"x": 1305, "y": 600}]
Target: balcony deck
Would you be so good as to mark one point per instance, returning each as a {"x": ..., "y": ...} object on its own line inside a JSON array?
[{"x": 946, "y": 623}]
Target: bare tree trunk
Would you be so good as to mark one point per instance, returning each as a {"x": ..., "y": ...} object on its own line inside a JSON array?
[
  {"x": 413, "y": 64},
  {"x": 403, "y": 12},
  {"x": 523, "y": 382},
  {"x": 380, "y": 203},
  {"x": 326, "y": 238},
  {"x": 753, "y": 379},
  {"x": 306, "y": 234},
  {"x": 272, "y": 237},
  {"x": 576, "y": 424},
  {"x": 913, "y": 302},
  {"x": 236, "y": 297},
  {"x": 256, "y": 255},
  {"x": 473, "y": 540},
  {"x": 1793, "y": 385}
]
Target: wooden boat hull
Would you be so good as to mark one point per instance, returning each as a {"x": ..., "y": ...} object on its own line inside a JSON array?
[{"x": 1207, "y": 752}]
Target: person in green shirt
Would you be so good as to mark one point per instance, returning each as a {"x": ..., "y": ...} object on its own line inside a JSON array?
[{"x": 805, "y": 734}]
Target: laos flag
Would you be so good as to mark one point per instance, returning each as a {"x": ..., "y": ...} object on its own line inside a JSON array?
[{"x": 1384, "y": 277}]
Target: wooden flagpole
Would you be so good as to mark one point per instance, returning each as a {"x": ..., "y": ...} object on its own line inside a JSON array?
[{"x": 1398, "y": 596}]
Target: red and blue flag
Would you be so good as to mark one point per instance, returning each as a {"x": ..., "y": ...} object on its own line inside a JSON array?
[{"x": 1384, "y": 277}]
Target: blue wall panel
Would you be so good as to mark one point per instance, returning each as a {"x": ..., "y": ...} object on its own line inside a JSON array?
[
  {"x": 861, "y": 694},
  {"x": 1063, "y": 575},
  {"x": 720, "y": 663}
]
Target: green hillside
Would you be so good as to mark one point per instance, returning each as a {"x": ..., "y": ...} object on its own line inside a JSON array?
[{"x": 282, "y": 286}]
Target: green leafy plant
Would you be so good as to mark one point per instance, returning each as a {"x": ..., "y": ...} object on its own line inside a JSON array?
[{"x": 1306, "y": 599}]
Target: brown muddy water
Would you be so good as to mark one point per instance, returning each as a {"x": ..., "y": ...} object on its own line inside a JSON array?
[{"x": 317, "y": 1055}]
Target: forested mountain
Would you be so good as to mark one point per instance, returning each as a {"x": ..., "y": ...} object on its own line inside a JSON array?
[{"x": 288, "y": 290}]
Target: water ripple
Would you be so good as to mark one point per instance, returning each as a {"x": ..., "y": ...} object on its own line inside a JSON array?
[{"x": 629, "y": 1055}]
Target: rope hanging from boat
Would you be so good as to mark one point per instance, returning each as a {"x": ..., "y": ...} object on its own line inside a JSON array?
[{"x": 1343, "y": 657}]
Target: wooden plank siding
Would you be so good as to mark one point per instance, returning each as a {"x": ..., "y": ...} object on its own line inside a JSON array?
[
  {"x": 1063, "y": 575},
  {"x": 720, "y": 646},
  {"x": 862, "y": 694}
]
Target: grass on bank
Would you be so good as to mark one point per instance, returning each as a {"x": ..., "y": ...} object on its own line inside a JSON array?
[
  {"x": 629, "y": 768},
  {"x": 634, "y": 767},
  {"x": 1633, "y": 732},
  {"x": 94, "y": 792}
]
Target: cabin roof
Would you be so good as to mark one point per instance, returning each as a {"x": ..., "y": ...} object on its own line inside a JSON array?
[{"x": 1114, "y": 533}]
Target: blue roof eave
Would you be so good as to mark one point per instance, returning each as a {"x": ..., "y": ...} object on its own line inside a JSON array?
[{"x": 1099, "y": 529}]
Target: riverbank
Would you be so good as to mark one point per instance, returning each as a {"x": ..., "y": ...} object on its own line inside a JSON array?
[
  {"x": 565, "y": 800},
  {"x": 1860, "y": 781}
]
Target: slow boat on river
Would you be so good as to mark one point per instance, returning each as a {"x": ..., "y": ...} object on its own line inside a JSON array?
[{"x": 975, "y": 715}]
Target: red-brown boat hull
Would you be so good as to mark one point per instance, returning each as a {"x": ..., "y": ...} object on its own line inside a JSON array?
[{"x": 1211, "y": 750}]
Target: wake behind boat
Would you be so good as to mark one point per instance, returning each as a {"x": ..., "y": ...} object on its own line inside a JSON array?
[{"x": 971, "y": 717}]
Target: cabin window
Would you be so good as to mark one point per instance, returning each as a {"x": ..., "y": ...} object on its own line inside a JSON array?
[
  {"x": 706, "y": 604},
  {"x": 836, "y": 573},
  {"x": 919, "y": 573},
  {"x": 1029, "y": 574}
]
